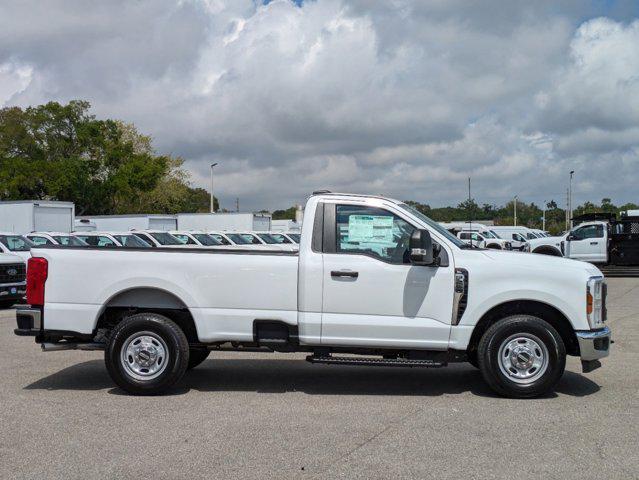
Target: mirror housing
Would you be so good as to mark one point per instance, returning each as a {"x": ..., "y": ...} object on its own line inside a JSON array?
[{"x": 421, "y": 248}]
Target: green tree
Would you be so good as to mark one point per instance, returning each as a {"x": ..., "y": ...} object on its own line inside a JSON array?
[
  {"x": 288, "y": 214},
  {"x": 62, "y": 152}
]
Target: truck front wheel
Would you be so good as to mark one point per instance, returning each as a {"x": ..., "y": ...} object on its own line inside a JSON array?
[
  {"x": 147, "y": 354},
  {"x": 521, "y": 356}
]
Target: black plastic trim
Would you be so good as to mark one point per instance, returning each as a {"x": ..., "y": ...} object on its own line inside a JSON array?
[
  {"x": 329, "y": 244},
  {"x": 318, "y": 229}
]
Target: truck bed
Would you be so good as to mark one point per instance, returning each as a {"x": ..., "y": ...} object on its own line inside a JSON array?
[{"x": 225, "y": 290}]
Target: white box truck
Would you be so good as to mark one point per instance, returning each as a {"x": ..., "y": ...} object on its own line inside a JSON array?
[
  {"x": 223, "y": 221},
  {"x": 123, "y": 223},
  {"x": 26, "y": 216}
]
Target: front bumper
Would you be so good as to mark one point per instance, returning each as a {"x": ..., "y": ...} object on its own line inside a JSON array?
[
  {"x": 593, "y": 345},
  {"x": 13, "y": 291}
]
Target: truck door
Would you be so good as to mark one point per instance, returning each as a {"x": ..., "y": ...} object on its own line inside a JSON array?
[
  {"x": 373, "y": 296},
  {"x": 588, "y": 243}
]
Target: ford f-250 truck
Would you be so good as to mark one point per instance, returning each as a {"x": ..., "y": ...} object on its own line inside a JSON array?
[{"x": 375, "y": 283}]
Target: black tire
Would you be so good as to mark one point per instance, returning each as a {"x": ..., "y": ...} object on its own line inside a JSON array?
[
  {"x": 158, "y": 329},
  {"x": 494, "y": 246},
  {"x": 521, "y": 331},
  {"x": 472, "y": 358},
  {"x": 197, "y": 356}
]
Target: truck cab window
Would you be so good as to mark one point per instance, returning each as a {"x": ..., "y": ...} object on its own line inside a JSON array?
[
  {"x": 40, "y": 240},
  {"x": 372, "y": 231},
  {"x": 588, "y": 231}
]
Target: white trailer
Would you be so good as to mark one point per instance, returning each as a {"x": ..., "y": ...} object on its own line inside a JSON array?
[
  {"x": 286, "y": 226},
  {"x": 121, "y": 223},
  {"x": 26, "y": 216},
  {"x": 224, "y": 221}
]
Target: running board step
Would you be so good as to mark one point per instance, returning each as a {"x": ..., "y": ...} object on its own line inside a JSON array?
[{"x": 375, "y": 362}]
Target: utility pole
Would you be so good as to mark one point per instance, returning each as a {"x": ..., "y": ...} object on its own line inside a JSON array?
[
  {"x": 237, "y": 204},
  {"x": 570, "y": 198},
  {"x": 470, "y": 216},
  {"x": 543, "y": 219},
  {"x": 515, "y": 210},
  {"x": 212, "y": 202},
  {"x": 567, "y": 207}
]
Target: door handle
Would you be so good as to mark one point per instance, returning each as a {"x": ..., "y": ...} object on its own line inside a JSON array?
[
  {"x": 594, "y": 243},
  {"x": 344, "y": 273}
]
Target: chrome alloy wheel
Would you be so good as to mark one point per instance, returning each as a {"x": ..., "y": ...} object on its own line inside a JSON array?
[
  {"x": 523, "y": 358},
  {"x": 144, "y": 355}
]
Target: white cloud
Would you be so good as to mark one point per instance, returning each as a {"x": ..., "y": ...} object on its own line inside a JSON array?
[{"x": 405, "y": 98}]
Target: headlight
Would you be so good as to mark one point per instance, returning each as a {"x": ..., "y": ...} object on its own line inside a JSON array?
[{"x": 595, "y": 302}]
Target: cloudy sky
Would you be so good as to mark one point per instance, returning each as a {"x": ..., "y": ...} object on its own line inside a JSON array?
[{"x": 396, "y": 97}]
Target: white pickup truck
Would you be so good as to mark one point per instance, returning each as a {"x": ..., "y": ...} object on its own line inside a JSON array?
[{"x": 375, "y": 283}]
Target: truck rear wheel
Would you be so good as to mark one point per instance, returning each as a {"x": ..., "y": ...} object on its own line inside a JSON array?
[
  {"x": 521, "y": 356},
  {"x": 197, "y": 356},
  {"x": 147, "y": 354}
]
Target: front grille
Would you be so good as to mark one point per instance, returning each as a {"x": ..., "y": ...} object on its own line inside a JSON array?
[{"x": 13, "y": 273}]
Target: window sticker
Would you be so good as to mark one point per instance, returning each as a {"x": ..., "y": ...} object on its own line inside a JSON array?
[{"x": 370, "y": 228}]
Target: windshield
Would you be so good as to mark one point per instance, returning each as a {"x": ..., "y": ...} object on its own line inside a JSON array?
[
  {"x": 295, "y": 237},
  {"x": 488, "y": 234},
  {"x": 496, "y": 234},
  {"x": 268, "y": 238},
  {"x": 435, "y": 226},
  {"x": 69, "y": 240},
  {"x": 219, "y": 238},
  {"x": 279, "y": 238},
  {"x": 206, "y": 240},
  {"x": 16, "y": 243},
  {"x": 531, "y": 235},
  {"x": 243, "y": 238},
  {"x": 131, "y": 241},
  {"x": 164, "y": 238}
]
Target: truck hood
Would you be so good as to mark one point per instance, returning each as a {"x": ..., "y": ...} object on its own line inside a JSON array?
[
  {"x": 540, "y": 262},
  {"x": 6, "y": 258}
]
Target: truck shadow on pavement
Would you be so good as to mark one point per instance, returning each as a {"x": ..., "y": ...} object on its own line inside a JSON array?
[{"x": 281, "y": 376}]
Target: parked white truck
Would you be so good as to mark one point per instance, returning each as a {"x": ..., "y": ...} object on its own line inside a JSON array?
[
  {"x": 375, "y": 283},
  {"x": 12, "y": 279}
]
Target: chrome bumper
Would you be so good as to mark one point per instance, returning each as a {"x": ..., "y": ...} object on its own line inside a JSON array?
[{"x": 593, "y": 345}]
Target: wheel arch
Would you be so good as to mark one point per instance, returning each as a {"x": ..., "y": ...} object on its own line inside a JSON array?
[
  {"x": 147, "y": 299},
  {"x": 547, "y": 250},
  {"x": 546, "y": 312}
]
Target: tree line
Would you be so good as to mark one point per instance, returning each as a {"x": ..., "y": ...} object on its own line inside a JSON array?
[{"x": 62, "y": 152}]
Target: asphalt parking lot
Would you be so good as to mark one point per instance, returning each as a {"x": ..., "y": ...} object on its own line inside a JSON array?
[{"x": 276, "y": 416}]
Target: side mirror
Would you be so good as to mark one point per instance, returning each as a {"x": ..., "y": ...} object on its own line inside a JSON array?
[
  {"x": 571, "y": 237},
  {"x": 421, "y": 248}
]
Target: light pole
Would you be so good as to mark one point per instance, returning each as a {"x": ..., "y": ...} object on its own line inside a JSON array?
[
  {"x": 570, "y": 198},
  {"x": 543, "y": 219},
  {"x": 515, "y": 210},
  {"x": 212, "y": 204}
]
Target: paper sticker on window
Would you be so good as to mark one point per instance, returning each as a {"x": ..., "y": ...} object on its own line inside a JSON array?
[{"x": 370, "y": 228}]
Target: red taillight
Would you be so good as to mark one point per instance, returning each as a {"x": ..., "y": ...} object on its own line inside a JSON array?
[{"x": 37, "y": 271}]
